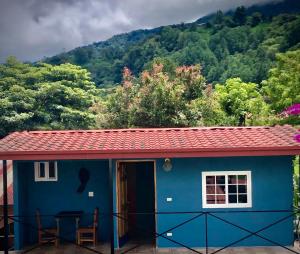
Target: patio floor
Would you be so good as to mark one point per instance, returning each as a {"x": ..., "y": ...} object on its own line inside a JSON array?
[{"x": 148, "y": 249}]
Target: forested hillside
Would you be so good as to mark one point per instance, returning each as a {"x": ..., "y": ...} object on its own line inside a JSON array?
[
  {"x": 242, "y": 43},
  {"x": 224, "y": 70}
]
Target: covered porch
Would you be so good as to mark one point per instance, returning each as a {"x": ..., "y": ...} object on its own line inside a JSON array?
[
  {"x": 148, "y": 249},
  {"x": 89, "y": 169}
]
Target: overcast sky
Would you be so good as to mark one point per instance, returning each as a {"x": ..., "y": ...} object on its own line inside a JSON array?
[{"x": 32, "y": 29}]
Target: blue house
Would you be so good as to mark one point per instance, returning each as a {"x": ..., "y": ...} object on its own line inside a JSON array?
[{"x": 175, "y": 187}]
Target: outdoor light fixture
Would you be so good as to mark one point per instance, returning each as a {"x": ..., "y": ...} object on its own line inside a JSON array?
[{"x": 167, "y": 165}]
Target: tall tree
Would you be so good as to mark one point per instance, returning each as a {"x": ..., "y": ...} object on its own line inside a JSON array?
[
  {"x": 155, "y": 99},
  {"x": 283, "y": 85},
  {"x": 43, "y": 96},
  {"x": 239, "y": 16},
  {"x": 242, "y": 101}
]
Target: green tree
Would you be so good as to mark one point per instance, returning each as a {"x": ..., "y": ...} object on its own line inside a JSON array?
[
  {"x": 283, "y": 85},
  {"x": 239, "y": 16},
  {"x": 43, "y": 96},
  {"x": 207, "y": 111},
  {"x": 242, "y": 101}
]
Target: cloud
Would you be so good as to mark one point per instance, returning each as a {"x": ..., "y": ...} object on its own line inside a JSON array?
[{"x": 33, "y": 29}]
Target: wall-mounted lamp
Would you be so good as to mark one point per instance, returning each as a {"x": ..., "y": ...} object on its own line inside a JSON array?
[{"x": 167, "y": 165}]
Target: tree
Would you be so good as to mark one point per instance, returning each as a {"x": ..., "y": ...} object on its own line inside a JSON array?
[
  {"x": 155, "y": 99},
  {"x": 117, "y": 111},
  {"x": 207, "y": 111},
  {"x": 282, "y": 87},
  {"x": 255, "y": 19},
  {"x": 242, "y": 101},
  {"x": 43, "y": 96},
  {"x": 239, "y": 16}
]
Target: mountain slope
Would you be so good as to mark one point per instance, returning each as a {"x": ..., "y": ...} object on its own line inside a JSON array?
[{"x": 241, "y": 43}]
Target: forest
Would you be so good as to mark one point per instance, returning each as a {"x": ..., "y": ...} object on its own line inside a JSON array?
[
  {"x": 228, "y": 45},
  {"x": 240, "y": 69}
]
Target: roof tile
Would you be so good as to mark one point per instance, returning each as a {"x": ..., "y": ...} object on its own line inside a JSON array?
[{"x": 177, "y": 139}]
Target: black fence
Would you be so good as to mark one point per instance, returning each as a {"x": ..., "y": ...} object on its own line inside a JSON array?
[{"x": 222, "y": 216}]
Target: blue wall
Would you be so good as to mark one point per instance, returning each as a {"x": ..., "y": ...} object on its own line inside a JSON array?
[
  {"x": 52, "y": 197},
  {"x": 271, "y": 190}
]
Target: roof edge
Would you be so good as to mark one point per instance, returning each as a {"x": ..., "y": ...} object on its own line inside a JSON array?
[{"x": 148, "y": 154}]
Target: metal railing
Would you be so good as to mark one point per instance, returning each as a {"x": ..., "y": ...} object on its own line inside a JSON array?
[{"x": 283, "y": 216}]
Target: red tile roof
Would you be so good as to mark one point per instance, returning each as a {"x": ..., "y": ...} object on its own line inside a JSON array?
[{"x": 150, "y": 143}]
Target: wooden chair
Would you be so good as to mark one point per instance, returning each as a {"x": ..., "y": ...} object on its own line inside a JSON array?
[
  {"x": 46, "y": 235},
  {"x": 89, "y": 234}
]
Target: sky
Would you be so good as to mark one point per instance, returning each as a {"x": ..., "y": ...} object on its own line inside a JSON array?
[{"x": 34, "y": 29}]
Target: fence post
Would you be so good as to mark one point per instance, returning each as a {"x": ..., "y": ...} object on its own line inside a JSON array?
[
  {"x": 206, "y": 234},
  {"x": 111, "y": 217},
  {"x": 5, "y": 207}
]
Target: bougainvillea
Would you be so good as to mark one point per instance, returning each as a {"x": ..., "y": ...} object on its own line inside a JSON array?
[{"x": 294, "y": 110}]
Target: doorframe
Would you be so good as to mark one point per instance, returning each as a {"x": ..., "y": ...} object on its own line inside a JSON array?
[{"x": 155, "y": 197}]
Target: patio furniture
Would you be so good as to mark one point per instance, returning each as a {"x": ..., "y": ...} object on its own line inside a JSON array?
[
  {"x": 89, "y": 234},
  {"x": 68, "y": 214},
  {"x": 46, "y": 235}
]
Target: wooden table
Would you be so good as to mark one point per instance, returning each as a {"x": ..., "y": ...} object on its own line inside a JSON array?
[{"x": 68, "y": 214}]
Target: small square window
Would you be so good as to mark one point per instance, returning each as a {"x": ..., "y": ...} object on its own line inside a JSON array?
[{"x": 45, "y": 171}]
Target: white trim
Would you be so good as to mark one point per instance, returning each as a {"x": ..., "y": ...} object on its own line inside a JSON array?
[
  {"x": 46, "y": 178},
  {"x": 227, "y": 204}
]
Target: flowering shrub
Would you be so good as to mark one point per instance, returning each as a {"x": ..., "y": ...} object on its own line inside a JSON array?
[{"x": 293, "y": 110}]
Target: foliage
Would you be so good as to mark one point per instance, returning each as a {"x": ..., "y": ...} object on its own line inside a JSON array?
[
  {"x": 162, "y": 83},
  {"x": 242, "y": 101},
  {"x": 155, "y": 99},
  {"x": 282, "y": 87},
  {"x": 227, "y": 45},
  {"x": 44, "y": 97}
]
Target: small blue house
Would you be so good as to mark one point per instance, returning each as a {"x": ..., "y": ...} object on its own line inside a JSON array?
[{"x": 175, "y": 187}]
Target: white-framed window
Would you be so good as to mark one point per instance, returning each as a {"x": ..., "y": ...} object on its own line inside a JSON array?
[
  {"x": 45, "y": 171},
  {"x": 226, "y": 189}
]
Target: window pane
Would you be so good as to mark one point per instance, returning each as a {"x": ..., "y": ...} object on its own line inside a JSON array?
[
  {"x": 242, "y": 188},
  {"x": 242, "y": 198},
  {"x": 220, "y": 189},
  {"x": 51, "y": 169},
  {"x": 232, "y": 199},
  {"x": 242, "y": 179},
  {"x": 232, "y": 179},
  {"x": 232, "y": 189},
  {"x": 210, "y": 179},
  {"x": 210, "y": 199},
  {"x": 42, "y": 169},
  {"x": 220, "y": 179},
  {"x": 210, "y": 189},
  {"x": 221, "y": 199}
]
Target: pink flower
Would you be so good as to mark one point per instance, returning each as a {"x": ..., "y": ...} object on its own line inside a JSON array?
[
  {"x": 297, "y": 137},
  {"x": 293, "y": 110}
]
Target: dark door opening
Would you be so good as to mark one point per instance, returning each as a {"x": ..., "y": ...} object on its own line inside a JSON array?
[{"x": 136, "y": 193}]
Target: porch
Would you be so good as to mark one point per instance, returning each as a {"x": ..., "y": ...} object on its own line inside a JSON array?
[
  {"x": 184, "y": 218},
  {"x": 149, "y": 249}
]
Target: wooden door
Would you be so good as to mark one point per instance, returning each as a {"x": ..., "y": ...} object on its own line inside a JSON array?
[{"x": 122, "y": 203}]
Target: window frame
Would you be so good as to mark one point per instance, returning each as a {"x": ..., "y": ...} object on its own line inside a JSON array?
[
  {"x": 46, "y": 178},
  {"x": 227, "y": 204}
]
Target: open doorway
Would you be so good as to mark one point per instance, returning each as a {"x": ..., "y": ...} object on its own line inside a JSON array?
[{"x": 136, "y": 202}]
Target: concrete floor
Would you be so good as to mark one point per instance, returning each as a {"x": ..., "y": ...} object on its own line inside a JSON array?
[{"x": 148, "y": 249}]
